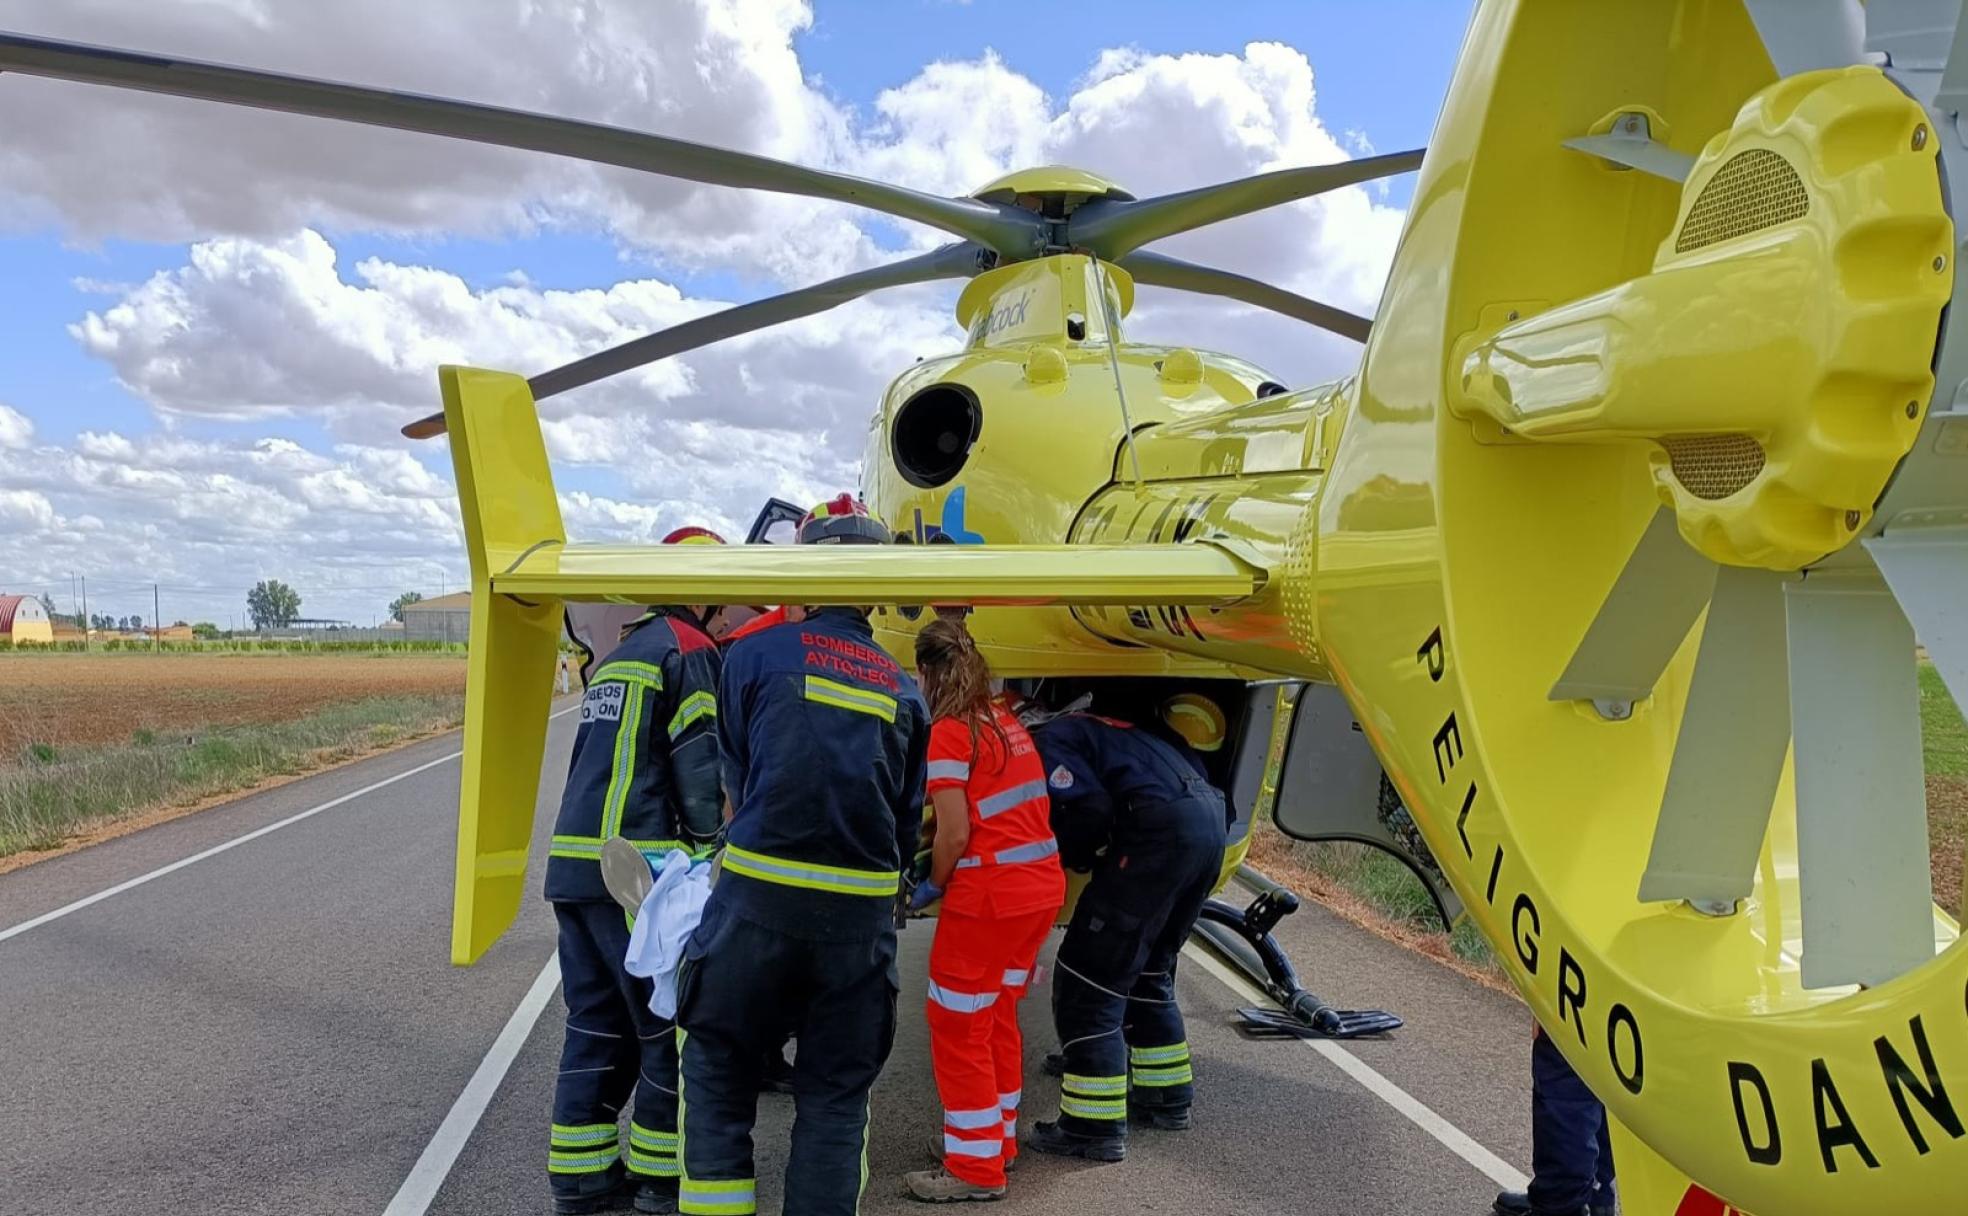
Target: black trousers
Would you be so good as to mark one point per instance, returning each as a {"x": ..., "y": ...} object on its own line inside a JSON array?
[
  {"x": 1571, "y": 1146},
  {"x": 743, "y": 989},
  {"x": 615, "y": 1047},
  {"x": 1113, "y": 997}
]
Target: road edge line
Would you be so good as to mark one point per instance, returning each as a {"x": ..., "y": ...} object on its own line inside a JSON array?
[
  {"x": 433, "y": 1166},
  {"x": 13, "y": 931},
  {"x": 1445, "y": 1133}
]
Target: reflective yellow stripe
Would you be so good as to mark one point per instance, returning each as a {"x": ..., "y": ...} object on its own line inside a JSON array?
[
  {"x": 581, "y": 1135},
  {"x": 697, "y": 706},
  {"x": 1087, "y": 1108},
  {"x": 734, "y": 1197},
  {"x": 580, "y": 1163},
  {"x": 810, "y": 875},
  {"x": 588, "y": 848},
  {"x": 583, "y": 848},
  {"x": 847, "y": 696},
  {"x": 628, "y": 671},
  {"x": 623, "y": 775},
  {"x": 1169, "y": 1074},
  {"x": 659, "y": 1142},
  {"x": 1174, "y": 1053},
  {"x": 1093, "y": 1086}
]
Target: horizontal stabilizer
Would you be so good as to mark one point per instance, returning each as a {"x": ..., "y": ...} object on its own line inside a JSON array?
[{"x": 1196, "y": 573}]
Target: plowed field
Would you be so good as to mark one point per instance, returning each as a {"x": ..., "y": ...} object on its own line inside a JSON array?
[{"x": 79, "y": 700}]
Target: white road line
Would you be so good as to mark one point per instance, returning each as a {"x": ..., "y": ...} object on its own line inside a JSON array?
[
  {"x": 1446, "y": 1133},
  {"x": 215, "y": 850},
  {"x": 414, "y": 1197}
]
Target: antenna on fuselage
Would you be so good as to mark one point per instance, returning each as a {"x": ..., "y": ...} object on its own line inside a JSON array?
[{"x": 1114, "y": 361}]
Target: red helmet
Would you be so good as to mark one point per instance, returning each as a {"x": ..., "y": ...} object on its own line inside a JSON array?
[
  {"x": 841, "y": 520},
  {"x": 693, "y": 535}
]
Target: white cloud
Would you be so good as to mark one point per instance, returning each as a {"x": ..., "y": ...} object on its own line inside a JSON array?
[
  {"x": 713, "y": 71},
  {"x": 264, "y": 320},
  {"x": 16, "y": 429},
  {"x": 249, "y": 328},
  {"x": 207, "y": 519},
  {"x": 26, "y": 507}
]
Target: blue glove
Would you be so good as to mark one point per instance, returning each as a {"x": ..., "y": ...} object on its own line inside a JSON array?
[{"x": 925, "y": 894}]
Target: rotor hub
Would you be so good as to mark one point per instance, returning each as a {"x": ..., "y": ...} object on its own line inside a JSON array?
[{"x": 1779, "y": 355}]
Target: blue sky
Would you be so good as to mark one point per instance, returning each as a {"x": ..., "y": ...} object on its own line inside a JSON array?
[{"x": 1380, "y": 69}]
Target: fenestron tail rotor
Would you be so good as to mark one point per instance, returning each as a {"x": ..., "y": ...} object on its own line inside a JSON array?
[
  {"x": 1772, "y": 442},
  {"x": 1003, "y": 225}
]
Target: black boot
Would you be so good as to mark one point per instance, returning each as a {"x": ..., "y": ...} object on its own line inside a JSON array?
[
  {"x": 1162, "y": 1118},
  {"x": 1517, "y": 1203},
  {"x": 1055, "y": 1064},
  {"x": 609, "y": 1192},
  {"x": 656, "y": 1195},
  {"x": 1054, "y": 1139}
]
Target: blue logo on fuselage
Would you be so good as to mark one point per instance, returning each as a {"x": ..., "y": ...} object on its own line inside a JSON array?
[{"x": 952, "y": 530}]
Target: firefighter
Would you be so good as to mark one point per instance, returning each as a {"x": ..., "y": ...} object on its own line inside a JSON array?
[
  {"x": 995, "y": 865},
  {"x": 1136, "y": 808},
  {"x": 1571, "y": 1143},
  {"x": 775, "y": 1070},
  {"x": 645, "y": 767},
  {"x": 823, "y": 739}
]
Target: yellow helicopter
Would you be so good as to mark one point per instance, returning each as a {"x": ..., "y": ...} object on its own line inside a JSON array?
[{"x": 1616, "y": 546}]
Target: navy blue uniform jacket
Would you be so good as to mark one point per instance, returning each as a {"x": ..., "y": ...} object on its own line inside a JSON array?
[
  {"x": 824, "y": 741},
  {"x": 645, "y": 762}
]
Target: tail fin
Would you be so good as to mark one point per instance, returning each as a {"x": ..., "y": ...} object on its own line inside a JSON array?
[{"x": 507, "y": 495}]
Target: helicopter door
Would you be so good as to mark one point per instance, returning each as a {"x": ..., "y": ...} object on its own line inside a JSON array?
[
  {"x": 777, "y": 523},
  {"x": 1330, "y": 787}
]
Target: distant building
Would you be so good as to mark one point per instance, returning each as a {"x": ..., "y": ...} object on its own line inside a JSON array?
[
  {"x": 444, "y": 619},
  {"x": 24, "y": 621},
  {"x": 174, "y": 633}
]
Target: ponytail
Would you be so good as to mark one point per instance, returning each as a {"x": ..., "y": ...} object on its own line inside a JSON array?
[{"x": 956, "y": 680}]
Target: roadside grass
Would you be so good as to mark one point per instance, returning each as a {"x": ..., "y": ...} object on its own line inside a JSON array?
[
  {"x": 1944, "y": 747},
  {"x": 48, "y": 794},
  {"x": 229, "y": 646},
  {"x": 1388, "y": 890},
  {"x": 1943, "y": 734}
]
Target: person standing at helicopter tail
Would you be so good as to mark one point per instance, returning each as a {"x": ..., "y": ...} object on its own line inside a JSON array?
[
  {"x": 645, "y": 767},
  {"x": 995, "y": 866},
  {"x": 1137, "y": 809},
  {"x": 823, "y": 740}
]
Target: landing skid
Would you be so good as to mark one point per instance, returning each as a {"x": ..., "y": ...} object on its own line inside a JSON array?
[{"x": 1242, "y": 937}]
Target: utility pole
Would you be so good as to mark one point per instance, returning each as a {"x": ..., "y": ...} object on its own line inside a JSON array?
[
  {"x": 85, "y": 612},
  {"x": 156, "y": 621}
]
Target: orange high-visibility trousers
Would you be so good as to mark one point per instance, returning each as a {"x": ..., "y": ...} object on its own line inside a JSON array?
[{"x": 979, "y": 970}]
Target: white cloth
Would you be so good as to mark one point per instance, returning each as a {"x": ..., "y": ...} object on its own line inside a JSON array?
[{"x": 669, "y": 914}]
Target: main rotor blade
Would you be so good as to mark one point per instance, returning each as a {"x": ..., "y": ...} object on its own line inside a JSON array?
[
  {"x": 1006, "y": 229},
  {"x": 959, "y": 260},
  {"x": 1160, "y": 270},
  {"x": 1114, "y": 227}
]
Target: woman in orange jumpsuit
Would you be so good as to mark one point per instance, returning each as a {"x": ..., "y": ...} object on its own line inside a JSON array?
[{"x": 996, "y": 867}]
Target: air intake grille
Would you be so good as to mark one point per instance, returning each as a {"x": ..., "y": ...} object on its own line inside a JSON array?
[
  {"x": 1754, "y": 190},
  {"x": 1714, "y": 466}
]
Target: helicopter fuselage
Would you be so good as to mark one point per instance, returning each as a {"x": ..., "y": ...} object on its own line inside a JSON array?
[{"x": 1049, "y": 428}]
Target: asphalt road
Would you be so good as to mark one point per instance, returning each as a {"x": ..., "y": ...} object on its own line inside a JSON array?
[{"x": 274, "y": 1028}]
